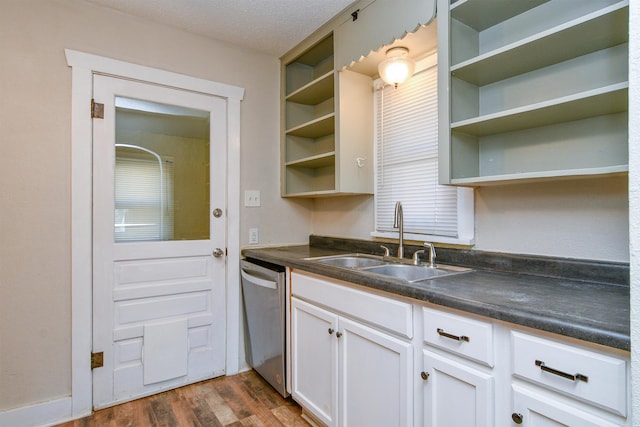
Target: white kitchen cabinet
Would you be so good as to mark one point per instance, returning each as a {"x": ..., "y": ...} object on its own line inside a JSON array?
[
  {"x": 456, "y": 394},
  {"x": 345, "y": 372},
  {"x": 581, "y": 374},
  {"x": 375, "y": 377},
  {"x": 374, "y": 24},
  {"x": 532, "y": 90},
  {"x": 364, "y": 357},
  {"x": 327, "y": 125},
  {"x": 548, "y": 368},
  {"x": 535, "y": 409},
  {"x": 460, "y": 335},
  {"x": 314, "y": 360},
  {"x": 478, "y": 372}
]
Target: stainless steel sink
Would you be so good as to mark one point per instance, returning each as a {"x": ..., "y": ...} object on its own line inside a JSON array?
[
  {"x": 387, "y": 267},
  {"x": 415, "y": 273},
  {"x": 350, "y": 260}
]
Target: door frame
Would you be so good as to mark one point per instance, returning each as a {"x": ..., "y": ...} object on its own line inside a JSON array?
[{"x": 83, "y": 67}]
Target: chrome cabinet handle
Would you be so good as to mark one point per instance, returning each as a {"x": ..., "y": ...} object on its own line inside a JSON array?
[
  {"x": 576, "y": 377},
  {"x": 442, "y": 333}
]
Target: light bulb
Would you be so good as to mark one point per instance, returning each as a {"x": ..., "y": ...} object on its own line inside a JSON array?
[{"x": 398, "y": 67}]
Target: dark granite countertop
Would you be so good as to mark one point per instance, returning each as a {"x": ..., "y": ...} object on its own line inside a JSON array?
[{"x": 586, "y": 310}]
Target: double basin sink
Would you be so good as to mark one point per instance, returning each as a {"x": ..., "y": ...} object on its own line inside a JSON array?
[{"x": 389, "y": 267}]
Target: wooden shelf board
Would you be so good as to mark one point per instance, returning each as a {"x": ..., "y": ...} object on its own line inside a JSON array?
[
  {"x": 314, "y": 162},
  {"x": 599, "y": 30},
  {"x": 317, "y": 53},
  {"x": 539, "y": 176},
  {"x": 312, "y": 194},
  {"x": 316, "y": 128},
  {"x": 608, "y": 100},
  {"x": 484, "y": 14},
  {"x": 314, "y": 92}
]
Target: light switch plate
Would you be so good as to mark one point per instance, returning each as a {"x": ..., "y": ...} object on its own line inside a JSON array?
[
  {"x": 252, "y": 198},
  {"x": 253, "y": 236}
]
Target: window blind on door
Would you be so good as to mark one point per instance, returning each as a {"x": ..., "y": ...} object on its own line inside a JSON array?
[
  {"x": 143, "y": 199},
  {"x": 407, "y": 159}
]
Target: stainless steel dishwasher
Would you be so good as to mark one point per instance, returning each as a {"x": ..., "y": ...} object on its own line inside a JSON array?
[{"x": 263, "y": 291}]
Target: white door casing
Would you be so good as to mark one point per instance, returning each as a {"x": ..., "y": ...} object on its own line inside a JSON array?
[
  {"x": 158, "y": 306},
  {"x": 84, "y": 68}
]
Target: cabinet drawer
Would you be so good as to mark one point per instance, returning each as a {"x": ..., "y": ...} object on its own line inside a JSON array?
[
  {"x": 584, "y": 374},
  {"x": 461, "y": 335},
  {"x": 392, "y": 315}
]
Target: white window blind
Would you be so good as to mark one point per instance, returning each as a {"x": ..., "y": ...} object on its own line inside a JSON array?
[
  {"x": 143, "y": 199},
  {"x": 407, "y": 160}
]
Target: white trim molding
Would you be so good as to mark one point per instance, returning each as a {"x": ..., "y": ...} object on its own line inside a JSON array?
[
  {"x": 113, "y": 67},
  {"x": 40, "y": 414},
  {"x": 84, "y": 67}
]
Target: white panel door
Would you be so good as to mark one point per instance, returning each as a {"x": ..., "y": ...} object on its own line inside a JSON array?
[
  {"x": 456, "y": 395},
  {"x": 158, "y": 289},
  {"x": 376, "y": 387},
  {"x": 314, "y": 360}
]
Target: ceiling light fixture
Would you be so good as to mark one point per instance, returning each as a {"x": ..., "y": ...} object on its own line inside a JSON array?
[{"x": 398, "y": 67}]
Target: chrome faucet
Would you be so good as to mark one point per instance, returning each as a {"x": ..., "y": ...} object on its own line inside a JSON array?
[
  {"x": 398, "y": 223},
  {"x": 432, "y": 254}
]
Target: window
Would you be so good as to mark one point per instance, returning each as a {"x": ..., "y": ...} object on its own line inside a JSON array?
[
  {"x": 143, "y": 199},
  {"x": 406, "y": 133}
]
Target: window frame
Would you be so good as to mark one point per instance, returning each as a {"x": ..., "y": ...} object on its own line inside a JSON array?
[{"x": 465, "y": 212}]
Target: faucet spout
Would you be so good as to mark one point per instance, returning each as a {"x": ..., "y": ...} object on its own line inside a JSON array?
[{"x": 398, "y": 223}]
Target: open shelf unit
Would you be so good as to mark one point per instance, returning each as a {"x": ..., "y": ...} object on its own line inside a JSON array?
[
  {"x": 537, "y": 90},
  {"x": 317, "y": 136},
  {"x": 309, "y": 145}
]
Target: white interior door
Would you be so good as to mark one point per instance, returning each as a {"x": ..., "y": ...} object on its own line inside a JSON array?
[{"x": 158, "y": 249}]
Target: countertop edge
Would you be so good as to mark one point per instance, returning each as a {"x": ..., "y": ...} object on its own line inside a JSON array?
[{"x": 566, "y": 327}]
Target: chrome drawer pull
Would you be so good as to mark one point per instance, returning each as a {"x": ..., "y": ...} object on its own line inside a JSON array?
[
  {"x": 576, "y": 377},
  {"x": 442, "y": 333}
]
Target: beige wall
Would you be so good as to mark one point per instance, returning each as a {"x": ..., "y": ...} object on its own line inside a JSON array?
[
  {"x": 35, "y": 129},
  {"x": 585, "y": 219}
]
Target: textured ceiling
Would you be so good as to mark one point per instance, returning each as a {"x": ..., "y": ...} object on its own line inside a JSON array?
[{"x": 268, "y": 26}]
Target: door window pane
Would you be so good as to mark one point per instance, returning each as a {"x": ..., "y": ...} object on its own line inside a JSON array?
[{"x": 161, "y": 172}]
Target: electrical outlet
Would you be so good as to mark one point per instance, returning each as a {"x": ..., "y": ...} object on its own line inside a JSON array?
[
  {"x": 252, "y": 198},
  {"x": 253, "y": 236}
]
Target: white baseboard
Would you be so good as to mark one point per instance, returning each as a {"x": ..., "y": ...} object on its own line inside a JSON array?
[{"x": 39, "y": 415}]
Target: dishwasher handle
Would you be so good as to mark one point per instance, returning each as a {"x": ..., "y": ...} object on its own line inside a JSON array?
[{"x": 258, "y": 281}]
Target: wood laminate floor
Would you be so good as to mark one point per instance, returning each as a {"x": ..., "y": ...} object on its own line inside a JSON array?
[{"x": 240, "y": 400}]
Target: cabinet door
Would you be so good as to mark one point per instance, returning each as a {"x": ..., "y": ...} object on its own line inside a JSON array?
[
  {"x": 540, "y": 409},
  {"x": 376, "y": 386},
  {"x": 314, "y": 360},
  {"x": 456, "y": 394}
]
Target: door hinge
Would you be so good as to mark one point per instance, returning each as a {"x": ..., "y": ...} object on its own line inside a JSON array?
[
  {"x": 97, "y": 110},
  {"x": 97, "y": 360}
]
